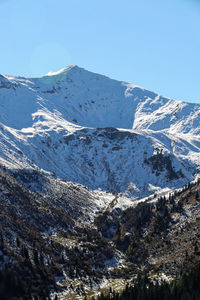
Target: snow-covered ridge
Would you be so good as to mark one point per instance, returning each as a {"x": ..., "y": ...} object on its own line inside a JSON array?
[
  {"x": 64, "y": 70},
  {"x": 93, "y": 100},
  {"x": 66, "y": 123}
]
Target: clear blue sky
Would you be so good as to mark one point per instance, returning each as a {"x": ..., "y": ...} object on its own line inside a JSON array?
[{"x": 152, "y": 43}]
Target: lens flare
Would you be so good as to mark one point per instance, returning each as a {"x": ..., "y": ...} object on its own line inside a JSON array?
[{"x": 48, "y": 57}]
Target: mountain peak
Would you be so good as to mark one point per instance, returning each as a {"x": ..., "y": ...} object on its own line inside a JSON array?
[
  {"x": 44, "y": 118},
  {"x": 53, "y": 77},
  {"x": 63, "y": 70}
]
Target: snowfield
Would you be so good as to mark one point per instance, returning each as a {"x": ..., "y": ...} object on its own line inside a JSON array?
[{"x": 102, "y": 133}]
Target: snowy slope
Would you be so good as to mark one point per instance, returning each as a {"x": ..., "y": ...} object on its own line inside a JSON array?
[{"x": 102, "y": 133}]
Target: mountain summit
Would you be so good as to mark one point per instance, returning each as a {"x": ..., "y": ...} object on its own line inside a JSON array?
[{"x": 102, "y": 133}]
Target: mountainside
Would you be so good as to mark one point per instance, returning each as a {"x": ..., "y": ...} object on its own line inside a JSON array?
[
  {"x": 50, "y": 246},
  {"x": 102, "y": 133},
  {"x": 94, "y": 186}
]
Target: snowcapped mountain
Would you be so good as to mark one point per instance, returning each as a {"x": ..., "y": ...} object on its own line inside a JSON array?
[{"x": 86, "y": 128}]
